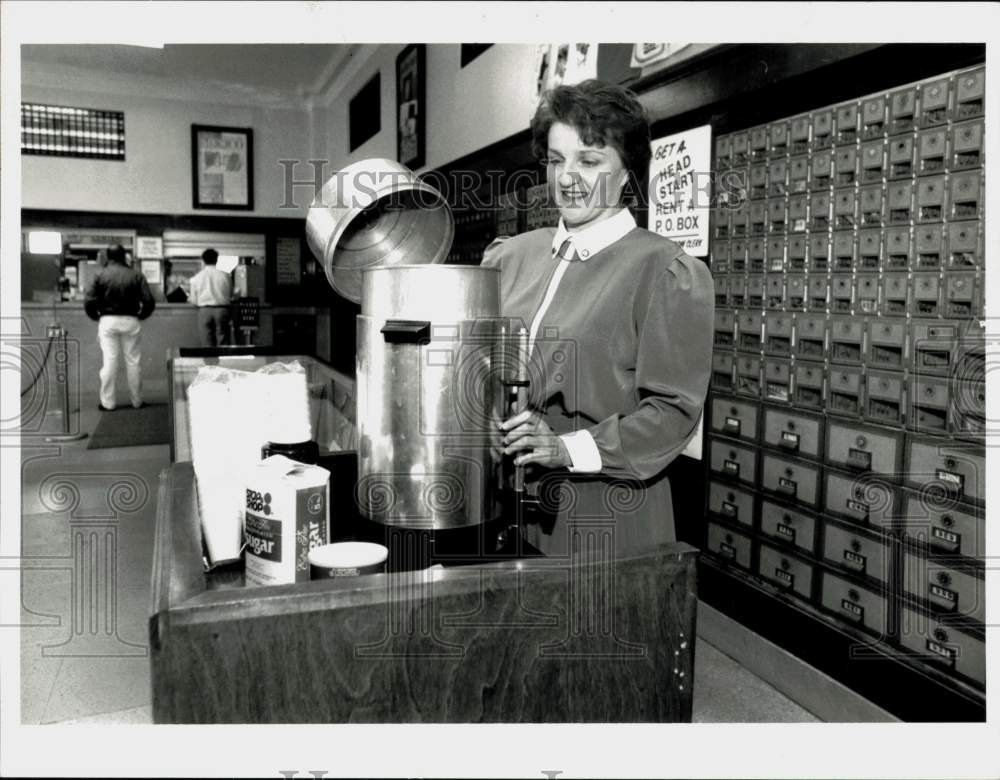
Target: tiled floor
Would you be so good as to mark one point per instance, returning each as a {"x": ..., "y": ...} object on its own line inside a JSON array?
[{"x": 85, "y": 659}]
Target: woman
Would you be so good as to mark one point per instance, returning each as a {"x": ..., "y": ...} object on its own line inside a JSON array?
[{"x": 620, "y": 324}]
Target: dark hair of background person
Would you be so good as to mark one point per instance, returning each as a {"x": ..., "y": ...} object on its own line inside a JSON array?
[
  {"x": 210, "y": 256},
  {"x": 603, "y": 115},
  {"x": 116, "y": 254}
]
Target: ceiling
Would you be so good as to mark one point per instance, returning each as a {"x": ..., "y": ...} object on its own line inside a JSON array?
[{"x": 303, "y": 69}]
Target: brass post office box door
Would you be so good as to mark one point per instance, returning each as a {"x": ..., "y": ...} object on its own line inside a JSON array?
[
  {"x": 790, "y": 479},
  {"x": 886, "y": 343},
  {"x": 862, "y": 499},
  {"x": 885, "y": 397},
  {"x": 856, "y": 552},
  {"x": 789, "y": 525},
  {"x": 863, "y": 448},
  {"x": 734, "y": 418},
  {"x": 733, "y": 461},
  {"x": 949, "y": 530},
  {"x": 857, "y": 605},
  {"x": 730, "y": 502},
  {"x": 945, "y": 588},
  {"x": 943, "y": 645},
  {"x": 794, "y": 433},
  {"x": 810, "y": 335},
  {"x": 729, "y": 545},
  {"x": 786, "y": 570}
]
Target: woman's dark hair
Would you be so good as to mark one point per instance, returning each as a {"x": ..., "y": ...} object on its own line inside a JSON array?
[{"x": 603, "y": 115}]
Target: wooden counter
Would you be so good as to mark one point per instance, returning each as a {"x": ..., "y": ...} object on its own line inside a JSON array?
[{"x": 533, "y": 640}]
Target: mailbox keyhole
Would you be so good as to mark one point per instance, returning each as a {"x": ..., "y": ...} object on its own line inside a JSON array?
[
  {"x": 940, "y": 635},
  {"x": 853, "y": 595},
  {"x": 947, "y": 521},
  {"x": 944, "y": 578},
  {"x": 855, "y": 545},
  {"x": 791, "y": 425},
  {"x": 950, "y": 463},
  {"x": 789, "y": 472},
  {"x": 785, "y": 564}
]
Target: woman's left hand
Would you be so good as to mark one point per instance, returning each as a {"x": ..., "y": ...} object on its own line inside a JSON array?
[{"x": 531, "y": 440}]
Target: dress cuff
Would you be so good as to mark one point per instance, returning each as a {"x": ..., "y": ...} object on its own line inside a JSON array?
[{"x": 583, "y": 452}]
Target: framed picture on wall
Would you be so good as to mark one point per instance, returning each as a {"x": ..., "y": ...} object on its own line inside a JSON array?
[
  {"x": 411, "y": 106},
  {"x": 222, "y": 167}
]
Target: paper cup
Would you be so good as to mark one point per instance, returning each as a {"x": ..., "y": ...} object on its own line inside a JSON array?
[{"x": 346, "y": 559}]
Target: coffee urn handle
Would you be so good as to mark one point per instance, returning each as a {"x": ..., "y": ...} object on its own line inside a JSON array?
[{"x": 406, "y": 331}]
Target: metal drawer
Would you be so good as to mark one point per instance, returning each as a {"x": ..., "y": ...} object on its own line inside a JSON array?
[
  {"x": 788, "y": 525},
  {"x": 863, "y": 448},
  {"x": 786, "y": 571},
  {"x": 860, "y": 499},
  {"x": 733, "y": 460},
  {"x": 797, "y": 434},
  {"x": 948, "y": 530},
  {"x": 730, "y": 545},
  {"x": 734, "y": 418},
  {"x": 945, "y": 588},
  {"x": 857, "y": 552},
  {"x": 730, "y": 502},
  {"x": 855, "y": 604},
  {"x": 960, "y": 472},
  {"x": 791, "y": 479},
  {"x": 943, "y": 645}
]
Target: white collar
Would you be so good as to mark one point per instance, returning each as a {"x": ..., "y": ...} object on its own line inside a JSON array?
[{"x": 593, "y": 239}]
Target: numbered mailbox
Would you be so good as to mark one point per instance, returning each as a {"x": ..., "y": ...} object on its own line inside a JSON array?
[
  {"x": 737, "y": 290},
  {"x": 755, "y": 291},
  {"x": 756, "y": 250},
  {"x": 968, "y": 407},
  {"x": 930, "y": 246},
  {"x": 758, "y": 181},
  {"x": 870, "y": 249},
  {"x": 845, "y": 209},
  {"x": 750, "y": 328},
  {"x": 926, "y": 295},
  {"x": 957, "y": 471},
  {"x": 777, "y": 379},
  {"x": 965, "y": 245},
  {"x": 722, "y": 372},
  {"x": 731, "y": 503},
  {"x": 821, "y": 170},
  {"x": 721, "y": 227},
  {"x": 930, "y": 397},
  {"x": 723, "y": 152},
  {"x": 931, "y": 195},
  {"x": 858, "y": 606},
  {"x": 720, "y": 256},
  {"x": 786, "y": 571},
  {"x": 945, "y": 588},
  {"x": 721, "y": 289},
  {"x": 945, "y": 527},
  {"x": 775, "y": 290},
  {"x": 791, "y": 479},
  {"x": 841, "y": 293},
  {"x": 778, "y": 137},
  {"x": 797, "y": 252},
  {"x": 961, "y": 299},
  {"x": 736, "y": 461},
  {"x": 902, "y": 157},
  {"x": 729, "y": 545},
  {"x": 886, "y": 339},
  {"x": 939, "y": 643},
  {"x": 872, "y": 205},
  {"x": 935, "y": 103},
  {"x": 848, "y": 117},
  {"x": 777, "y": 178},
  {"x": 873, "y": 116},
  {"x": 778, "y": 334},
  {"x": 820, "y": 210},
  {"x": 758, "y": 217},
  {"x": 818, "y": 289},
  {"x": 864, "y": 448},
  {"x": 810, "y": 336},
  {"x": 899, "y": 197},
  {"x": 872, "y": 161},
  {"x": 739, "y": 220},
  {"x": 822, "y": 129},
  {"x": 898, "y": 250},
  {"x": 966, "y": 146},
  {"x": 884, "y": 399},
  {"x": 788, "y": 525},
  {"x": 748, "y": 368},
  {"x": 725, "y": 324},
  {"x": 902, "y": 110},
  {"x": 758, "y": 143},
  {"x": 932, "y": 148},
  {"x": 734, "y": 417},
  {"x": 966, "y": 194},
  {"x": 793, "y": 432},
  {"x": 741, "y": 149},
  {"x": 861, "y": 498},
  {"x": 895, "y": 294},
  {"x": 866, "y": 291},
  {"x": 798, "y": 213},
  {"x": 798, "y": 174},
  {"x": 796, "y": 292},
  {"x": 808, "y": 387},
  {"x": 844, "y": 393},
  {"x": 970, "y": 89},
  {"x": 798, "y": 134},
  {"x": 934, "y": 347},
  {"x": 845, "y": 166},
  {"x": 857, "y": 552},
  {"x": 738, "y": 255},
  {"x": 776, "y": 215}
]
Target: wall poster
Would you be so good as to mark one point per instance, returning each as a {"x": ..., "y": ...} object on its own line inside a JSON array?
[
  {"x": 411, "y": 106},
  {"x": 222, "y": 167}
]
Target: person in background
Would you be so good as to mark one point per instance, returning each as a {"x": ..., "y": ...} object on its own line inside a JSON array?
[
  {"x": 212, "y": 292},
  {"x": 619, "y": 323},
  {"x": 119, "y": 298}
]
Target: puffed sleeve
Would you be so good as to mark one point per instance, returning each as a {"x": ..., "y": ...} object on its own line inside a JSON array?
[{"x": 672, "y": 374}]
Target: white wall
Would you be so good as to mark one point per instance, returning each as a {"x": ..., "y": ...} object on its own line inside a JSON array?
[{"x": 156, "y": 174}]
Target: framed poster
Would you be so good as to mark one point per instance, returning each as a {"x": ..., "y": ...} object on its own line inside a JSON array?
[
  {"x": 222, "y": 167},
  {"x": 410, "y": 105}
]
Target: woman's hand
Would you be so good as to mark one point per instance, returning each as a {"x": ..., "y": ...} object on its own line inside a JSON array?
[{"x": 531, "y": 440}]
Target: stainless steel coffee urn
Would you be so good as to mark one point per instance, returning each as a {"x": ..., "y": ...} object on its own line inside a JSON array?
[{"x": 428, "y": 399}]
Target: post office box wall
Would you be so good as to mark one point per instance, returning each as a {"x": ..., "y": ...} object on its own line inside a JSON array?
[
  {"x": 734, "y": 417},
  {"x": 944, "y": 588},
  {"x": 945, "y": 527},
  {"x": 938, "y": 642},
  {"x": 854, "y": 604},
  {"x": 787, "y": 524},
  {"x": 786, "y": 570},
  {"x": 730, "y": 502},
  {"x": 729, "y": 545},
  {"x": 857, "y": 552}
]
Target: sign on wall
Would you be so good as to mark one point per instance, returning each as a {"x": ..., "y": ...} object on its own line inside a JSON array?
[{"x": 680, "y": 188}]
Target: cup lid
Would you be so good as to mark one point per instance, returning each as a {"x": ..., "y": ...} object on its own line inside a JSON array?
[{"x": 346, "y": 555}]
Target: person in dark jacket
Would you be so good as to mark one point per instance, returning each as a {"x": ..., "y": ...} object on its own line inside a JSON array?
[{"x": 119, "y": 299}]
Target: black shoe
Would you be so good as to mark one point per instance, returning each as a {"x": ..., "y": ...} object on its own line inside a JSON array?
[{"x": 103, "y": 408}]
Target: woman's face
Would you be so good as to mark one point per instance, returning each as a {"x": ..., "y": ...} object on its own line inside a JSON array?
[{"x": 587, "y": 181}]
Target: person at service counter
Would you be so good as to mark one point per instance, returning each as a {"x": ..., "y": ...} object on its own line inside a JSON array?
[
  {"x": 620, "y": 331},
  {"x": 118, "y": 299},
  {"x": 212, "y": 292}
]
